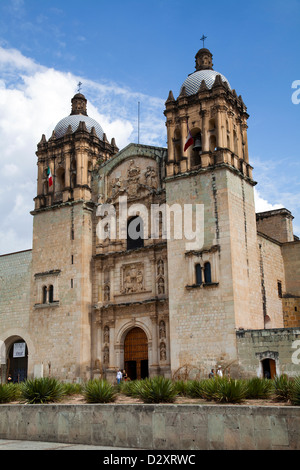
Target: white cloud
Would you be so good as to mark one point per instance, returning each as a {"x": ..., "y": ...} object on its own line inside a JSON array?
[
  {"x": 33, "y": 98},
  {"x": 262, "y": 205}
]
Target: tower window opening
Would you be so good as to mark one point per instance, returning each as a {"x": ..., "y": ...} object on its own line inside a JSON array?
[
  {"x": 51, "y": 297},
  {"x": 279, "y": 288},
  {"x": 198, "y": 273},
  {"x": 44, "y": 294},
  {"x": 207, "y": 273}
]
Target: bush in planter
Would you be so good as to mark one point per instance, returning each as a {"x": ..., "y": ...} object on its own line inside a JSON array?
[
  {"x": 72, "y": 388},
  {"x": 157, "y": 390},
  {"x": 282, "y": 388},
  {"x": 43, "y": 390},
  {"x": 99, "y": 391},
  {"x": 8, "y": 393},
  {"x": 259, "y": 388},
  {"x": 295, "y": 395},
  {"x": 196, "y": 388}
]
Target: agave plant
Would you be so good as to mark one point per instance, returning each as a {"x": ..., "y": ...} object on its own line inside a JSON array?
[
  {"x": 295, "y": 396},
  {"x": 157, "y": 390},
  {"x": 196, "y": 388},
  {"x": 230, "y": 390},
  {"x": 282, "y": 388},
  {"x": 7, "y": 393},
  {"x": 99, "y": 391},
  {"x": 43, "y": 390},
  {"x": 258, "y": 388},
  {"x": 72, "y": 388}
]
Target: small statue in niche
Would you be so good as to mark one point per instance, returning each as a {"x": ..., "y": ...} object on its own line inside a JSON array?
[
  {"x": 162, "y": 329},
  {"x": 160, "y": 267},
  {"x": 161, "y": 286},
  {"x": 106, "y": 334},
  {"x": 106, "y": 355},
  {"x": 163, "y": 351},
  {"x": 106, "y": 293}
]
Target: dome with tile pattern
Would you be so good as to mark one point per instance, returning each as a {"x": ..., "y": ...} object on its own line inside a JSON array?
[
  {"x": 73, "y": 120},
  {"x": 78, "y": 114},
  {"x": 193, "y": 81}
]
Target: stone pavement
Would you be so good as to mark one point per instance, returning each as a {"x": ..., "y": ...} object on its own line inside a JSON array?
[{"x": 7, "y": 444}]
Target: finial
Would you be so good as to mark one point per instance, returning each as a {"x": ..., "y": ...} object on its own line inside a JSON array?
[
  {"x": 79, "y": 85},
  {"x": 203, "y": 39}
]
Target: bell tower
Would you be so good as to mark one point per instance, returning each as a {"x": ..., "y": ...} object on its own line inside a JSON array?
[
  {"x": 65, "y": 205},
  {"x": 210, "y": 287}
]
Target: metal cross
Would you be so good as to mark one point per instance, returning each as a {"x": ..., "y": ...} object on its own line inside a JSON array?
[
  {"x": 79, "y": 87},
  {"x": 203, "y": 39}
]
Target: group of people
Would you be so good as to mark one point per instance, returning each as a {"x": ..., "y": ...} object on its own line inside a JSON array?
[
  {"x": 212, "y": 373},
  {"x": 121, "y": 375}
]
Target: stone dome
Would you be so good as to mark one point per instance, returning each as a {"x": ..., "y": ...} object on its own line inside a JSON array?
[
  {"x": 73, "y": 120},
  {"x": 193, "y": 81},
  {"x": 78, "y": 114}
]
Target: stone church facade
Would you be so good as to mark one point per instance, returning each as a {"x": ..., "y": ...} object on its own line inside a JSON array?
[{"x": 79, "y": 305}]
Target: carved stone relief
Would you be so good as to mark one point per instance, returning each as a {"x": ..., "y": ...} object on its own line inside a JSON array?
[
  {"x": 133, "y": 180},
  {"x": 132, "y": 278}
]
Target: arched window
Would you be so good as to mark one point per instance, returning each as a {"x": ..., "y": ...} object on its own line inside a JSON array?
[
  {"x": 198, "y": 273},
  {"x": 207, "y": 273},
  {"x": 44, "y": 294},
  {"x": 135, "y": 233},
  {"x": 50, "y": 294}
]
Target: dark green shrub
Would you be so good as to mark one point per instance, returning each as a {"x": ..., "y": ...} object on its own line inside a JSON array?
[
  {"x": 258, "y": 388},
  {"x": 196, "y": 388},
  {"x": 7, "y": 393},
  {"x": 157, "y": 390},
  {"x": 43, "y": 390},
  {"x": 282, "y": 388},
  {"x": 295, "y": 396},
  {"x": 130, "y": 388},
  {"x": 230, "y": 390},
  {"x": 72, "y": 388},
  {"x": 182, "y": 387},
  {"x": 99, "y": 391}
]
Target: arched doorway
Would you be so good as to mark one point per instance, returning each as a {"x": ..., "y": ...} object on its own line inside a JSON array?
[
  {"x": 17, "y": 361},
  {"x": 269, "y": 368},
  {"x": 136, "y": 354}
]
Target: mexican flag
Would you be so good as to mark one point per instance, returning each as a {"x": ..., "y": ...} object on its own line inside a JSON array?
[
  {"x": 189, "y": 141},
  {"x": 49, "y": 176}
]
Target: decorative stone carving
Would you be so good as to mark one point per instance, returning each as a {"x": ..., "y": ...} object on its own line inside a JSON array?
[
  {"x": 162, "y": 329},
  {"x": 133, "y": 179},
  {"x": 106, "y": 293},
  {"x": 106, "y": 355},
  {"x": 160, "y": 286},
  {"x": 150, "y": 177},
  {"x": 163, "y": 351},
  {"x": 132, "y": 279},
  {"x": 106, "y": 334}
]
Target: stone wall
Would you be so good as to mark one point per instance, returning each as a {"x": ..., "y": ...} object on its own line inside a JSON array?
[
  {"x": 282, "y": 345},
  {"x": 15, "y": 274},
  {"x": 157, "y": 427}
]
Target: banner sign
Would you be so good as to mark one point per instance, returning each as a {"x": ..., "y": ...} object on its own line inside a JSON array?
[{"x": 19, "y": 350}]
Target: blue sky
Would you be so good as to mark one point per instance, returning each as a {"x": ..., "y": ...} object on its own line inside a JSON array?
[{"x": 129, "y": 51}]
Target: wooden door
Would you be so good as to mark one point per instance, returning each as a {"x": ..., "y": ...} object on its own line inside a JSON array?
[{"x": 136, "y": 353}]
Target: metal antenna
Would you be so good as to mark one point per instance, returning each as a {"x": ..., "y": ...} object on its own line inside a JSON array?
[{"x": 203, "y": 39}]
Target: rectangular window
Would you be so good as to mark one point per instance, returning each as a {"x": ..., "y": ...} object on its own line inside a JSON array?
[
  {"x": 279, "y": 287},
  {"x": 71, "y": 283}
]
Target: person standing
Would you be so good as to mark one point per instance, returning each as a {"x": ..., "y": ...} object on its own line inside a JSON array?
[{"x": 119, "y": 376}]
